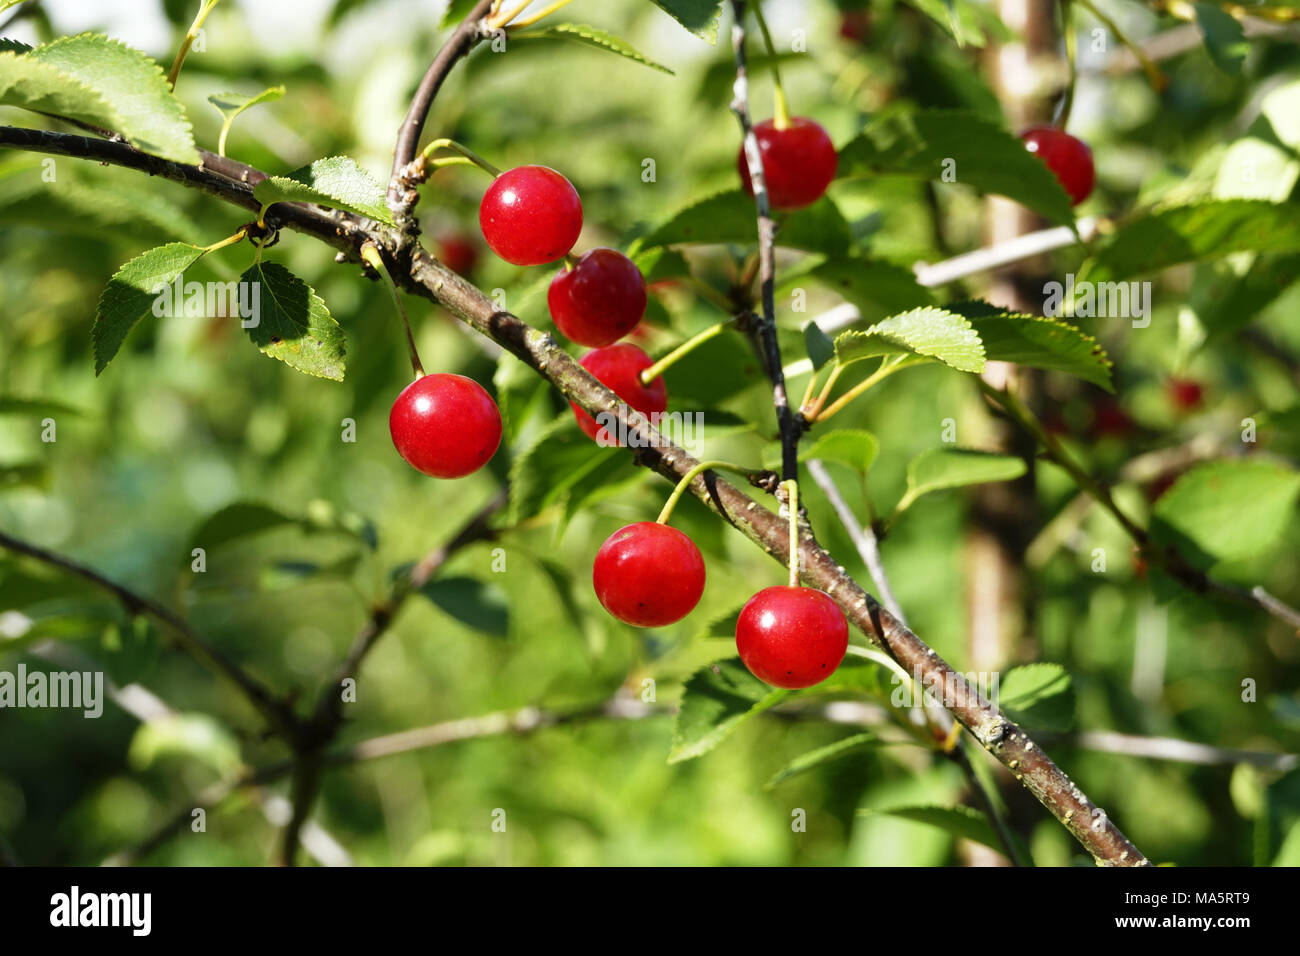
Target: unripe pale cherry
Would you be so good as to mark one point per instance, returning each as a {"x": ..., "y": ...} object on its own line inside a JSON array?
[
  {"x": 1069, "y": 159},
  {"x": 648, "y": 574},
  {"x": 530, "y": 215},
  {"x": 445, "y": 425},
  {"x": 799, "y": 162},
  {"x": 791, "y": 636},
  {"x": 598, "y": 301},
  {"x": 618, "y": 368}
]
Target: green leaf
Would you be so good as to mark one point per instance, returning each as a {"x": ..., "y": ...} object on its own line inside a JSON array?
[
  {"x": 1039, "y": 696},
  {"x": 929, "y": 333},
  {"x": 13, "y": 46},
  {"x": 27, "y": 475},
  {"x": 818, "y": 344},
  {"x": 940, "y": 468},
  {"x": 457, "y": 10},
  {"x": 876, "y": 288},
  {"x": 1210, "y": 229},
  {"x": 294, "y": 325},
  {"x": 815, "y": 758},
  {"x": 848, "y": 446},
  {"x": 142, "y": 107},
  {"x": 479, "y": 605},
  {"x": 590, "y": 36},
  {"x": 554, "y": 463},
  {"x": 230, "y": 105},
  {"x": 1224, "y": 39},
  {"x": 17, "y": 405},
  {"x": 984, "y": 157},
  {"x": 1037, "y": 342},
  {"x": 660, "y": 264},
  {"x": 1226, "y": 510},
  {"x": 698, "y": 16},
  {"x": 729, "y": 217},
  {"x": 336, "y": 182},
  {"x": 132, "y": 293},
  {"x": 235, "y": 521},
  {"x": 966, "y": 823},
  {"x": 716, "y": 699},
  {"x": 959, "y": 18}
]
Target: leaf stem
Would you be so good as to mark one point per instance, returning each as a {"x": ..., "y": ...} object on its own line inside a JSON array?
[
  {"x": 781, "y": 108},
  {"x": 1155, "y": 77},
  {"x": 228, "y": 241},
  {"x": 886, "y": 369},
  {"x": 1071, "y": 59},
  {"x": 690, "y": 476},
  {"x": 190, "y": 36},
  {"x": 370, "y": 253},
  {"x": 464, "y": 151},
  {"x": 792, "y": 502},
  {"x": 694, "y": 342},
  {"x": 811, "y": 413},
  {"x": 544, "y": 12},
  {"x": 503, "y": 16}
]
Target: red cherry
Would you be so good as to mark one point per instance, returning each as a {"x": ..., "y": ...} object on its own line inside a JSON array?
[
  {"x": 619, "y": 368},
  {"x": 798, "y": 162},
  {"x": 599, "y": 300},
  {"x": 445, "y": 425},
  {"x": 531, "y": 215},
  {"x": 1069, "y": 159},
  {"x": 791, "y": 637},
  {"x": 458, "y": 253},
  {"x": 1108, "y": 418},
  {"x": 1185, "y": 393},
  {"x": 648, "y": 574},
  {"x": 855, "y": 25}
]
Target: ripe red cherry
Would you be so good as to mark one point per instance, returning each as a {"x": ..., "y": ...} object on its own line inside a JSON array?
[
  {"x": 458, "y": 253},
  {"x": 619, "y": 368},
  {"x": 791, "y": 637},
  {"x": 445, "y": 425},
  {"x": 1185, "y": 393},
  {"x": 531, "y": 215},
  {"x": 599, "y": 300},
  {"x": 1068, "y": 158},
  {"x": 648, "y": 574},
  {"x": 798, "y": 162}
]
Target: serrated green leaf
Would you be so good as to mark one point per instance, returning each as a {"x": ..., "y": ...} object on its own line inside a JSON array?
[
  {"x": 848, "y": 446},
  {"x": 13, "y": 46},
  {"x": 729, "y": 217},
  {"x": 929, "y": 333},
  {"x": 815, "y": 758},
  {"x": 1224, "y": 39},
  {"x": 1037, "y": 342},
  {"x": 1205, "y": 230},
  {"x": 698, "y": 16},
  {"x": 336, "y": 182},
  {"x": 590, "y": 36},
  {"x": 132, "y": 293},
  {"x": 135, "y": 87},
  {"x": 479, "y": 605},
  {"x": 818, "y": 344},
  {"x": 984, "y": 157},
  {"x": 230, "y": 105},
  {"x": 1039, "y": 696},
  {"x": 937, "y": 469},
  {"x": 1226, "y": 510},
  {"x": 294, "y": 325},
  {"x": 716, "y": 699},
  {"x": 966, "y": 823}
]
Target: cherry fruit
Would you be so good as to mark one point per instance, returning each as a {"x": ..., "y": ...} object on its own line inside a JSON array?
[
  {"x": 445, "y": 425},
  {"x": 1069, "y": 159},
  {"x": 531, "y": 215},
  {"x": 799, "y": 162},
  {"x": 458, "y": 253},
  {"x": 619, "y": 368},
  {"x": 599, "y": 300},
  {"x": 1186, "y": 393},
  {"x": 791, "y": 636},
  {"x": 648, "y": 574}
]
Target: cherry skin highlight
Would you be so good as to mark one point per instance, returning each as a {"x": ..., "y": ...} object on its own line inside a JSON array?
[
  {"x": 648, "y": 574},
  {"x": 1069, "y": 159},
  {"x": 530, "y": 215},
  {"x": 798, "y": 162},
  {"x": 599, "y": 300},
  {"x": 619, "y": 368},
  {"x": 445, "y": 425},
  {"x": 791, "y": 637}
]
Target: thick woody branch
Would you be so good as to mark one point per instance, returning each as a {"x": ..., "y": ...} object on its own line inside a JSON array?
[{"x": 420, "y": 273}]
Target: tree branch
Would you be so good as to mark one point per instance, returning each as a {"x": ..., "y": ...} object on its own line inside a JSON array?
[{"x": 421, "y": 273}]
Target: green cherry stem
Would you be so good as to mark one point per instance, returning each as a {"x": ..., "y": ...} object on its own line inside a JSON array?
[
  {"x": 694, "y": 342},
  {"x": 370, "y": 253},
  {"x": 690, "y": 476},
  {"x": 228, "y": 241},
  {"x": 190, "y": 36},
  {"x": 792, "y": 502},
  {"x": 781, "y": 111},
  {"x": 886, "y": 369},
  {"x": 544, "y": 12},
  {"x": 465, "y": 153},
  {"x": 1067, "y": 101}
]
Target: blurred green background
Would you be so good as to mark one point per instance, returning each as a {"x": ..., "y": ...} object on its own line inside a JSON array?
[{"x": 189, "y": 420}]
